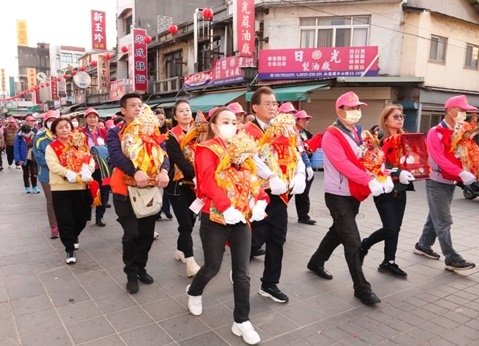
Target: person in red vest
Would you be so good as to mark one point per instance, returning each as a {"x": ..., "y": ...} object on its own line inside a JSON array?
[
  {"x": 446, "y": 170},
  {"x": 346, "y": 184}
]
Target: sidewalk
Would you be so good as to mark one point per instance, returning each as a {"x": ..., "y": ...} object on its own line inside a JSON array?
[{"x": 45, "y": 302}]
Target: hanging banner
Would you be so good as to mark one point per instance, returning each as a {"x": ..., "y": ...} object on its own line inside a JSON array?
[
  {"x": 54, "y": 88},
  {"x": 324, "y": 62},
  {"x": 117, "y": 89},
  {"x": 98, "y": 30},
  {"x": 22, "y": 33},
  {"x": 31, "y": 77},
  {"x": 138, "y": 61},
  {"x": 228, "y": 70},
  {"x": 103, "y": 67},
  {"x": 244, "y": 19}
]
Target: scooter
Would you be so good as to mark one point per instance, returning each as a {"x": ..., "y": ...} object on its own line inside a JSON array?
[{"x": 471, "y": 191}]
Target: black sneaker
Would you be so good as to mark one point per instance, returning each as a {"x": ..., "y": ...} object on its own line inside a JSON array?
[
  {"x": 307, "y": 221},
  {"x": 71, "y": 258},
  {"x": 132, "y": 284},
  {"x": 459, "y": 265},
  {"x": 99, "y": 222},
  {"x": 392, "y": 268},
  {"x": 368, "y": 298},
  {"x": 272, "y": 291},
  {"x": 429, "y": 253},
  {"x": 144, "y": 277},
  {"x": 320, "y": 271}
]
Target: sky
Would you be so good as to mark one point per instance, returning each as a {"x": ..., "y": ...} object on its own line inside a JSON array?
[{"x": 58, "y": 22}]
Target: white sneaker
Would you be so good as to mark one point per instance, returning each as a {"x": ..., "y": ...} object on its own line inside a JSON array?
[
  {"x": 195, "y": 303},
  {"x": 77, "y": 246},
  {"x": 156, "y": 235},
  {"x": 180, "y": 256},
  {"x": 71, "y": 258},
  {"x": 247, "y": 332}
]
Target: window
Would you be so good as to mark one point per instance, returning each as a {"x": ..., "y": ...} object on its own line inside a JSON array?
[
  {"x": 66, "y": 58},
  {"x": 437, "y": 51},
  {"x": 334, "y": 31},
  {"x": 174, "y": 64},
  {"x": 206, "y": 56},
  {"x": 472, "y": 55}
]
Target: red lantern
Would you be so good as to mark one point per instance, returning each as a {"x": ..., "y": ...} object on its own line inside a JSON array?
[
  {"x": 43, "y": 85},
  {"x": 93, "y": 63},
  {"x": 65, "y": 76},
  {"x": 173, "y": 29},
  {"x": 82, "y": 68},
  {"x": 108, "y": 56},
  {"x": 208, "y": 14},
  {"x": 147, "y": 39},
  {"x": 47, "y": 84},
  {"x": 74, "y": 72},
  {"x": 124, "y": 49}
]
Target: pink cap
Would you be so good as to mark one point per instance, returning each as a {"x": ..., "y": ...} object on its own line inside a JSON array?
[
  {"x": 287, "y": 107},
  {"x": 211, "y": 112},
  {"x": 302, "y": 115},
  {"x": 50, "y": 115},
  {"x": 459, "y": 101},
  {"x": 109, "y": 124},
  {"x": 349, "y": 99},
  {"x": 236, "y": 108},
  {"x": 90, "y": 111}
]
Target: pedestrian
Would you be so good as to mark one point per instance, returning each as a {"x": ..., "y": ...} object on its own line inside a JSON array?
[
  {"x": 137, "y": 232},
  {"x": 230, "y": 193},
  {"x": 96, "y": 139},
  {"x": 40, "y": 142},
  {"x": 302, "y": 201},
  {"x": 239, "y": 112},
  {"x": 346, "y": 184},
  {"x": 2, "y": 143},
  {"x": 280, "y": 166},
  {"x": 181, "y": 189},
  {"x": 70, "y": 167},
  {"x": 446, "y": 170},
  {"x": 9, "y": 133},
  {"x": 23, "y": 153},
  {"x": 391, "y": 206}
]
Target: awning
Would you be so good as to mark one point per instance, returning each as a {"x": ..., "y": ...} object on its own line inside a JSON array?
[
  {"x": 205, "y": 102},
  {"x": 103, "y": 112},
  {"x": 293, "y": 93}
]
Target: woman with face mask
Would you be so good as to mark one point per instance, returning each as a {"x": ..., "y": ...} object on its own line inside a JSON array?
[{"x": 230, "y": 194}]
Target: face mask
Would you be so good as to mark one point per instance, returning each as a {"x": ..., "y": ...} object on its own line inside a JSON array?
[
  {"x": 461, "y": 117},
  {"x": 353, "y": 116},
  {"x": 227, "y": 132},
  {"x": 75, "y": 123}
]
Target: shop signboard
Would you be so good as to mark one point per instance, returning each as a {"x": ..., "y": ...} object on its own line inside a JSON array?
[
  {"x": 98, "y": 30},
  {"x": 244, "y": 22},
  {"x": 138, "y": 61},
  {"x": 314, "y": 63}
]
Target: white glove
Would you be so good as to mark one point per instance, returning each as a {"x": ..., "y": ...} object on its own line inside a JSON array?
[
  {"x": 309, "y": 173},
  {"x": 277, "y": 185},
  {"x": 388, "y": 184},
  {"x": 71, "y": 176},
  {"x": 85, "y": 173},
  {"x": 258, "y": 212},
  {"x": 233, "y": 216},
  {"x": 376, "y": 187},
  {"x": 297, "y": 184},
  {"x": 467, "y": 177},
  {"x": 405, "y": 177}
]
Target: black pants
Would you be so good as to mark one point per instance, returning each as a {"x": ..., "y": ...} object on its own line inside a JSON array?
[
  {"x": 186, "y": 218},
  {"x": 213, "y": 237},
  {"x": 29, "y": 173},
  {"x": 391, "y": 207},
  {"x": 272, "y": 231},
  {"x": 104, "y": 192},
  {"x": 302, "y": 202},
  {"x": 72, "y": 209},
  {"x": 10, "y": 154},
  {"x": 344, "y": 231},
  {"x": 137, "y": 235}
]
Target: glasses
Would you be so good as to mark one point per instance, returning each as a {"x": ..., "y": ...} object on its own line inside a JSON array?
[
  {"x": 398, "y": 116},
  {"x": 270, "y": 104}
]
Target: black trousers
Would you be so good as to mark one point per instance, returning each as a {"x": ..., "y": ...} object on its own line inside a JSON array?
[
  {"x": 10, "y": 154},
  {"x": 272, "y": 231},
  {"x": 72, "y": 209},
  {"x": 344, "y": 231},
  {"x": 29, "y": 173},
  {"x": 391, "y": 208},
  {"x": 186, "y": 218},
  {"x": 213, "y": 237},
  {"x": 137, "y": 235},
  {"x": 302, "y": 202}
]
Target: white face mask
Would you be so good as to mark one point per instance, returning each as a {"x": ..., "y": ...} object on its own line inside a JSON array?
[
  {"x": 461, "y": 117},
  {"x": 227, "y": 131},
  {"x": 353, "y": 116},
  {"x": 74, "y": 123}
]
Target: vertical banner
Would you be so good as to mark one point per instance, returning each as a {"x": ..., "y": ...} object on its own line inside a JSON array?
[
  {"x": 31, "y": 77},
  {"x": 244, "y": 19},
  {"x": 140, "y": 62},
  {"x": 22, "y": 33},
  {"x": 3, "y": 81},
  {"x": 54, "y": 88},
  {"x": 98, "y": 30},
  {"x": 103, "y": 74},
  {"x": 11, "y": 81}
]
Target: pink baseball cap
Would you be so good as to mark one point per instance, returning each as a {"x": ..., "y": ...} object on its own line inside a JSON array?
[
  {"x": 91, "y": 110},
  {"x": 50, "y": 115},
  {"x": 287, "y": 107},
  {"x": 236, "y": 108},
  {"x": 302, "y": 115},
  {"x": 211, "y": 112},
  {"x": 349, "y": 99},
  {"x": 459, "y": 101},
  {"x": 109, "y": 124}
]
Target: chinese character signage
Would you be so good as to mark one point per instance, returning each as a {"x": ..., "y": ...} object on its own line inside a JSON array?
[
  {"x": 138, "y": 61},
  {"x": 228, "y": 70},
  {"x": 22, "y": 33},
  {"x": 199, "y": 79},
  {"x": 117, "y": 89},
  {"x": 327, "y": 62},
  {"x": 54, "y": 84},
  {"x": 98, "y": 30},
  {"x": 103, "y": 74},
  {"x": 245, "y": 30},
  {"x": 31, "y": 77}
]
